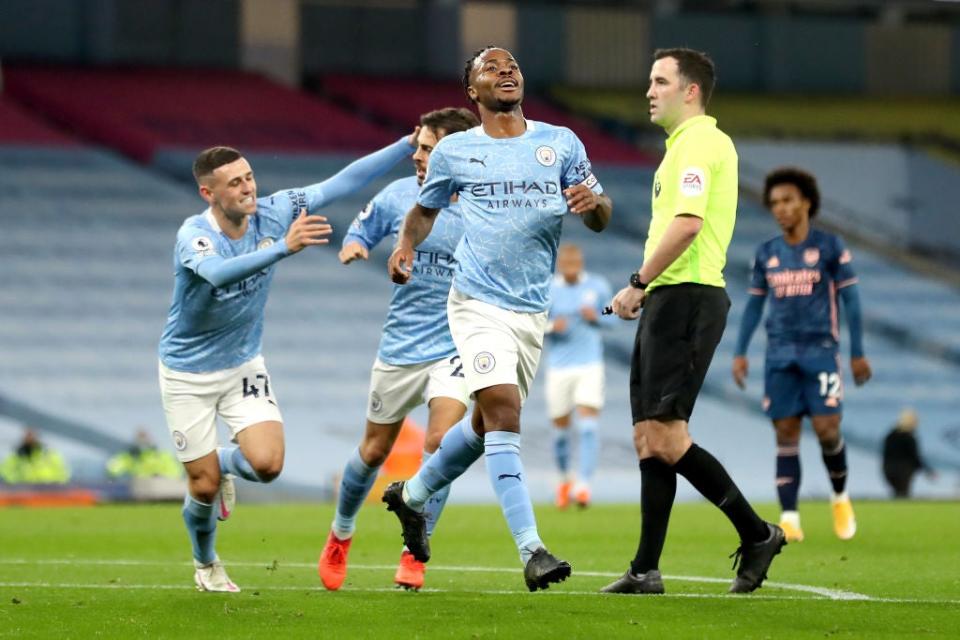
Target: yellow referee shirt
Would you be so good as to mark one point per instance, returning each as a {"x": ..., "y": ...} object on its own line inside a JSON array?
[{"x": 698, "y": 176}]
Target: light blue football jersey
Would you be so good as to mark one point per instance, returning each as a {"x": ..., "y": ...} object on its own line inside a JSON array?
[
  {"x": 581, "y": 343},
  {"x": 512, "y": 205},
  {"x": 416, "y": 329}
]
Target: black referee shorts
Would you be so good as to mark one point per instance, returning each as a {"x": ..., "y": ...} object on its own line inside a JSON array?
[{"x": 680, "y": 328}]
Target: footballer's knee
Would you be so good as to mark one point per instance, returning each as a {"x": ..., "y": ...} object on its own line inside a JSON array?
[
  {"x": 374, "y": 452},
  {"x": 432, "y": 441},
  {"x": 268, "y": 465},
  {"x": 827, "y": 429},
  {"x": 205, "y": 488}
]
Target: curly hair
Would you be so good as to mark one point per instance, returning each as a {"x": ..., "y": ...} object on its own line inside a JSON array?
[{"x": 799, "y": 178}]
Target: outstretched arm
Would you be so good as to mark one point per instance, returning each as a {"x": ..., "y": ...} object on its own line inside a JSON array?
[
  {"x": 358, "y": 173},
  {"x": 305, "y": 231}
]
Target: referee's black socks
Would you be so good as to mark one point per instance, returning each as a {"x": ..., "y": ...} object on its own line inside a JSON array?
[
  {"x": 658, "y": 486},
  {"x": 708, "y": 476}
]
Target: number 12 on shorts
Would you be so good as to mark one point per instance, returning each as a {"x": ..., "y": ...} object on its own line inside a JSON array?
[{"x": 830, "y": 384}]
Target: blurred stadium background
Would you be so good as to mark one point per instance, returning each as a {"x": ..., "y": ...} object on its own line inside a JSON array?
[{"x": 105, "y": 103}]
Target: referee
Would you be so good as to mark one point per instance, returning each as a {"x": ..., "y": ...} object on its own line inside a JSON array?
[{"x": 681, "y": 288}]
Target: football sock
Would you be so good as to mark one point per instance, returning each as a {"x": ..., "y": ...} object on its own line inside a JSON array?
[
  {"x": 658, "y": 487},
  {"x": 835, "y": 458},
  {"x": 708, "y": 476},
  {"x": 460, "y": 448},
  {"x": 587, "y": 426},
  {"x": 436, "y": 502},
  {"x": 788, "y": 476},
  {"x": 234, "y": 462},
  {"x": 355, "y": 484},
  {"x": 201, "y": 521},
  {"x": 502, "y": 456},
  {"x": 561, "y": 449}
]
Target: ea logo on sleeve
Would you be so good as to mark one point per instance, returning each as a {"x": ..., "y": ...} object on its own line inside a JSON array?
[
  {"x": 180, "y": 440},
  {"x": 692, "y": 182},
  {"x": 484, "y": 362},
  {"x": 546, "y": 156}
]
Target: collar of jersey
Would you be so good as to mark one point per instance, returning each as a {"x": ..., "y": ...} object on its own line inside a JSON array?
[
  {"x": 688, "y": 123},
  {"x": 531, "y": 125},
  {"x": 212, "y": 220}
]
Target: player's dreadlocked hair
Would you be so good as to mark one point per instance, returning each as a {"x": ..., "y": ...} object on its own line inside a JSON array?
[
  {"x": 799, "y": 178},
  {"x": 469, "y": 67}
]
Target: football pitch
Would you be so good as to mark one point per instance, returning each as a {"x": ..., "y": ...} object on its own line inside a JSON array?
[{"x": 125, "y": 571}]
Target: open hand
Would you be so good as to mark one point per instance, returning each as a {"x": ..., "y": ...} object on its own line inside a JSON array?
[{"x": 307, "y": 230}]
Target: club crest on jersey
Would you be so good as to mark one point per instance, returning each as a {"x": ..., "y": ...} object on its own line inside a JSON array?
[
  {"x": 811, "y": 255},
  {"x": 266, "y": 242},
  {"x": 692, "y": 182},
  {"x": 203, "y": 245},
  {"x": 656, "y": 188},
  {"x": 846, "y": 257},
  {"x": 484, "y": 362},
  {"x": 773, "y": 262},
  {"x": 376, "y": 404},
  {"x": 546, "y": 156},
  {"x": 179, "y": 440}
]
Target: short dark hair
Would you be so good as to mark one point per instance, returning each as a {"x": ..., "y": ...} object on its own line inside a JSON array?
[
  {"x": 449, "y": 120},
  {"x": 468, "y": 67},
  {"x": 695, "y": 66},
  {"x": 212, "y": 158},
  {"x": 799, "y": 178}
]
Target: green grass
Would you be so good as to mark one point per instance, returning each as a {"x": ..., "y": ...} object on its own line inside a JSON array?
[{"x": 123, "y": 571}]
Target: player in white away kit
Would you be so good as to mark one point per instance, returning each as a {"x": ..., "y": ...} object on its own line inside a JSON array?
[
  {"x": 417, "y": 362},
  {"x": 575, "y": 377},
  {"x": 516, "y": 179},
  {"x": 210, "y": 362}
]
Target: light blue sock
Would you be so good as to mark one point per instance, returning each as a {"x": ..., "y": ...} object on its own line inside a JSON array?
[
  {"x": 459, "y": 449},
  {"x": 233, "y": 461},
  {"x": 355, "y": 485},
  {"x": 201, "y": 521},
  {"x": 561, "y": 449},
  {"x": 502, "y": 454},
  {"x": 436, "y": 502},
  {"x": 589, "y": 446}
]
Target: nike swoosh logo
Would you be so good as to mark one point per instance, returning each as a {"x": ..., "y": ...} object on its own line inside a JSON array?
[{"x": 509, "y": 475}]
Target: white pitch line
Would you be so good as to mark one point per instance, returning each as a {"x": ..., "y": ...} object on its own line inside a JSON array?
[
  {"x": 557, "y": 593},
  {"x": 823, "y": 592}
]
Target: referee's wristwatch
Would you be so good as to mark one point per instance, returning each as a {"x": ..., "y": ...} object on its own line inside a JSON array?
[{"x": 635, "y": 281}]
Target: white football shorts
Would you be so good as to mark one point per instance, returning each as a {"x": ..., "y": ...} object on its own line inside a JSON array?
[
  {"x": 396, "y": 390},
  {"x": 569, "y": 387},
  {"x": 241, "y": 396},
  {"x": 498, "y": 346}
]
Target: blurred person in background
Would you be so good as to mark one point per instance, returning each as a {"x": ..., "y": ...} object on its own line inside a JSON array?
[
  {"x": 33, "y": 463},
  {"x": 901, "y": 455},
  {"x": 143, "y": 460},
  {"x": 805, "y": 273},
  {"x": 575, "y": 376}
]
